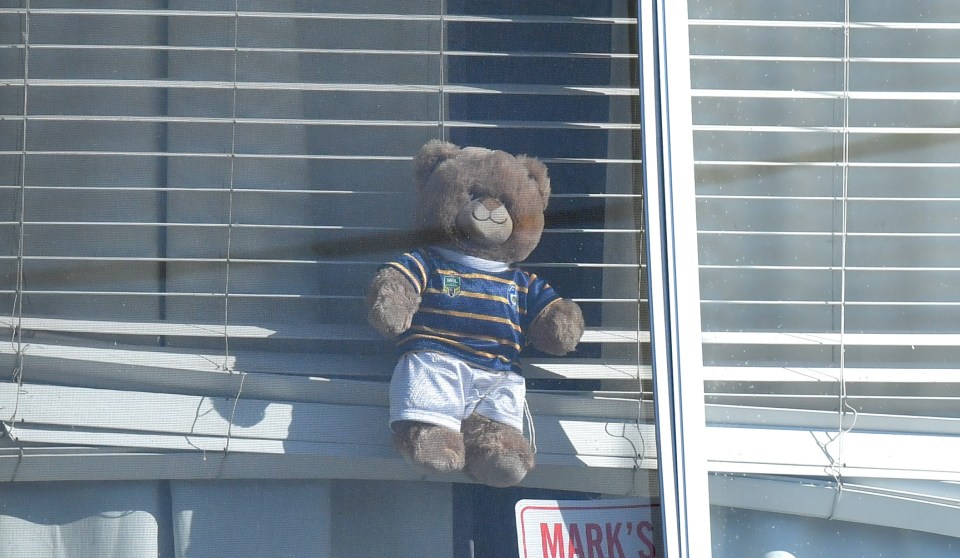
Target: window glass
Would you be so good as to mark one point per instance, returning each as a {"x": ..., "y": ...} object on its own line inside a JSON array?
[
  {"x": 194, "y": 199},
  {"x": 823, "y": 143}
]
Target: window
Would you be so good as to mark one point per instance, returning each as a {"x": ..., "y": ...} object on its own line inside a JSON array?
[
  {"x": 194, "y": 196},
  {"x": 824, "y": 140}
]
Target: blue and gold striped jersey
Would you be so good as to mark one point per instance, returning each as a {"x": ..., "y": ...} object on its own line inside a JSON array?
[{"x": 474, "y": 314}]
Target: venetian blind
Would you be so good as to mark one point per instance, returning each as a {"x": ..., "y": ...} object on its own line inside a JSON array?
[
  {"x": 825, "y": 141},
  {"x": 195, "y": 195}
]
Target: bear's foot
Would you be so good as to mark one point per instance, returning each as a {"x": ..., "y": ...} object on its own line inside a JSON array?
[
  {"x": 497, "y": 455},
  {"x": 433, "y": 448}
]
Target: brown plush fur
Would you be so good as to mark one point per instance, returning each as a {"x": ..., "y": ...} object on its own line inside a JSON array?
[
  {"x": 456, "y": 191},
  {"x": 558, "y": 328},
  {"x": 447, "y": 177},
  {"x": 434, "y": 448},
  {"x": 497, "y": 454},
  {"x": 391, "y": 303}
]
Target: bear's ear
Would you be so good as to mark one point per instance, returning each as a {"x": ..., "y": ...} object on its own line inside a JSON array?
[
  {"x": 431, "y": 155},
  {"x": 537, "y": 172}
]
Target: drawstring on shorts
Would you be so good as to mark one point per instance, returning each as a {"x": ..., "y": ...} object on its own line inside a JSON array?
[{"x": 533, "y": 430}]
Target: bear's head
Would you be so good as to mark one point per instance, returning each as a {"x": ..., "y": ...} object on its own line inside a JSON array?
[{"x": 484, "y": 203}]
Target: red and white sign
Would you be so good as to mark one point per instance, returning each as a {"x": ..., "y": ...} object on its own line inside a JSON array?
[{"x": 587, "y": 529}]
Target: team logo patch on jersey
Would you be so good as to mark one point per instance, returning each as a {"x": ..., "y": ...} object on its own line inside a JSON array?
[
  {"x": 514, "y": 299},
  {"x": 451, "y": 286}
]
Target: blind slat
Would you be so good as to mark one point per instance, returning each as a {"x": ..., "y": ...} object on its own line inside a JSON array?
[
  {"x": 854, "y": 339},
  {"x": 172, "y": 84},
  {"x": 853, "y": 59},
  {"x": 836, "y": 95},
  {"x": 509, "y": 124},
  {"x": 813, "y": 374},
  {"x": 275, "y": 376},
  {"x": 802, "y": 418},
  {"x": 946, "y": 129},
  {"x": 277, "y": 331},
  {"x": 324, "y": 16},
  {"x": 809, "y": 452},
  {"x": 853, "y": 25},
  {"x": 198, "y": 49}
]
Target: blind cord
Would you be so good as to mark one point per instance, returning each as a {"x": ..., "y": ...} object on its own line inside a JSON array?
[
  {"x": 638, "y": 462},
  {"x": 639, "y": 224},
  {"x": 17, "y": 336},
  {"x": 226, "y": 288},
  {"x": 441, "y": 108},
  {"x": 836, "y": 464},
  {"x": 233, "y": 159}
]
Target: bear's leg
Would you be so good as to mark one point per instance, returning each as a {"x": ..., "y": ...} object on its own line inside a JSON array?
[
  {"x": 497, "y": 455},
  {"x": 434, "y": 448}
]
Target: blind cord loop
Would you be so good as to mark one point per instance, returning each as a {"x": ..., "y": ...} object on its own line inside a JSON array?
[
  {"x": 640, "y": 453},
  {"x": 233, "y": 413}
]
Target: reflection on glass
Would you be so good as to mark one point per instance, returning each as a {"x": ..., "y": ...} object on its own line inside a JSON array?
[
  {"x": 194, "y": 197},
  {"x": 825, "y": 175}
]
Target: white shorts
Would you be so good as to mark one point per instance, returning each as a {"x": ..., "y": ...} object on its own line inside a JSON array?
[{"x": 439, "y": 389}]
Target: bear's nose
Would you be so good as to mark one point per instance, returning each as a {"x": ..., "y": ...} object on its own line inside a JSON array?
[
  {"x": 485, "y": 222},
  {"x": 490, "y": 210}
]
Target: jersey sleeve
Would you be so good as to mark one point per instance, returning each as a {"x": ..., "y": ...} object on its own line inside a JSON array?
[
  {"x": 413, "y": 266},
  {"x": 540, "y": 295}
]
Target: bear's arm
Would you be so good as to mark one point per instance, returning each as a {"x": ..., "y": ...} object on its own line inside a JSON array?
[
  {"x": 558, "y": 328},
  {"x": 391, "y": 302}
]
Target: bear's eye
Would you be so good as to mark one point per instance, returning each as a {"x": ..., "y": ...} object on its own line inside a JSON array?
[{"x": 477, "y": 191}]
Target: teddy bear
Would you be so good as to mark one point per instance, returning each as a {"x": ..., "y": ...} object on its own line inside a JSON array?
[{"x": 461, "y": 313}]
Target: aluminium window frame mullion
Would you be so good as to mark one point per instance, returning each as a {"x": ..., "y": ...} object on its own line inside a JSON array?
[{"x": 671, "y": 244}]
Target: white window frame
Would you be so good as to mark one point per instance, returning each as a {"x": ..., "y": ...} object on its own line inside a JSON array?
[
  {"x": 669, "y": 195},
  {"x": 910, "y": 489}
]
